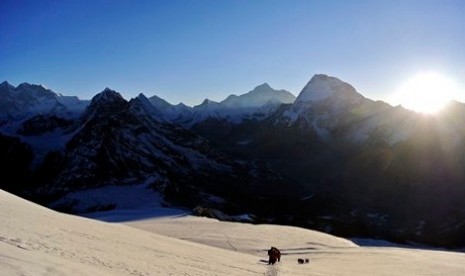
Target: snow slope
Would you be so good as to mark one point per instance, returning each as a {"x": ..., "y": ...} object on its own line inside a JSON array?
[{"x": 38, "y": 241}]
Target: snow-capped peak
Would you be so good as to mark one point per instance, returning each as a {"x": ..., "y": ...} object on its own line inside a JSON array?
[
  {"x": 28, "y": 100},
  {"x": 160, "y": 103},
  {"x": 104, "y": 103},
  {"x": 163, "y": 110},
  {"x": 141, "y": 104},
  {"x": 143, "y": 100},
  {"x": 107, "y": 95},
  {"x": 258, "y": 97},
  {"x": 321, "y": 87},
  {"x": 34, "y": 91}
]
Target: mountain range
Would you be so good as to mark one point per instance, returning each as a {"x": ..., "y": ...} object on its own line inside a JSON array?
[{"x": 329, "y": 159}]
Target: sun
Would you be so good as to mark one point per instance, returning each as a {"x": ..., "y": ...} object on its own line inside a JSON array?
[{"x": 426, "y": 92}]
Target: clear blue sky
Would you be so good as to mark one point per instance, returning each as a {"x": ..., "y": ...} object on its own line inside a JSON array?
[{"x": 190, "y": 50}]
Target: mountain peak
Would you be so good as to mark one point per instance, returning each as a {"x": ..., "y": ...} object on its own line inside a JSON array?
[
  {"x": 141, "y": 104},
  {"x": 207, "y": 102},
  {"x": 107, "y": 94},
  {"x": 4, "y": 84},
  {"x": 5, "y": 87},
  {"x": 323, "y": 86},
  {"x": 28, "y": 86},
  {"x": 142, "y": 97},
  {"x": 259, "y": 96},
  {"x": 159, "y": 102},
  {"x": 104, "y": 104},
  {"x": 263, "y": 86}
]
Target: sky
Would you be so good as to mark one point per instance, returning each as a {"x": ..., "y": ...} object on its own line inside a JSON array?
[{"x": 189, "y": 50}]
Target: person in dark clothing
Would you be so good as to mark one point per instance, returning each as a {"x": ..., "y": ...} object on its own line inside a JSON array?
[{"x": 274, "y": 255}]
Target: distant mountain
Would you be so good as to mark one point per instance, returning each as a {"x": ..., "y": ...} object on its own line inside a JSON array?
[
  {"x": 254, "y": 104},
  {"x": 258, "y": 97},
  {"x": 27, "y": 100},
  {"x": 167, "y": 111},
  {"x": 334, "y": 110},
  {"x": 38, "y": 116}
]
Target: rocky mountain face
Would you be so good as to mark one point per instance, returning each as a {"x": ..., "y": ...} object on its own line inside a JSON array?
[
  {"x": 116, "y": 142},
  {"x": 329, "y": 159}
]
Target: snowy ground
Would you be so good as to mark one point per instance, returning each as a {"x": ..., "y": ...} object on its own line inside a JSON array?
[{"x": 37, "y": 241}]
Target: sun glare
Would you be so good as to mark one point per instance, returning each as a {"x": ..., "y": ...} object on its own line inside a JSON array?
[{"x": 426, "y": 92}]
